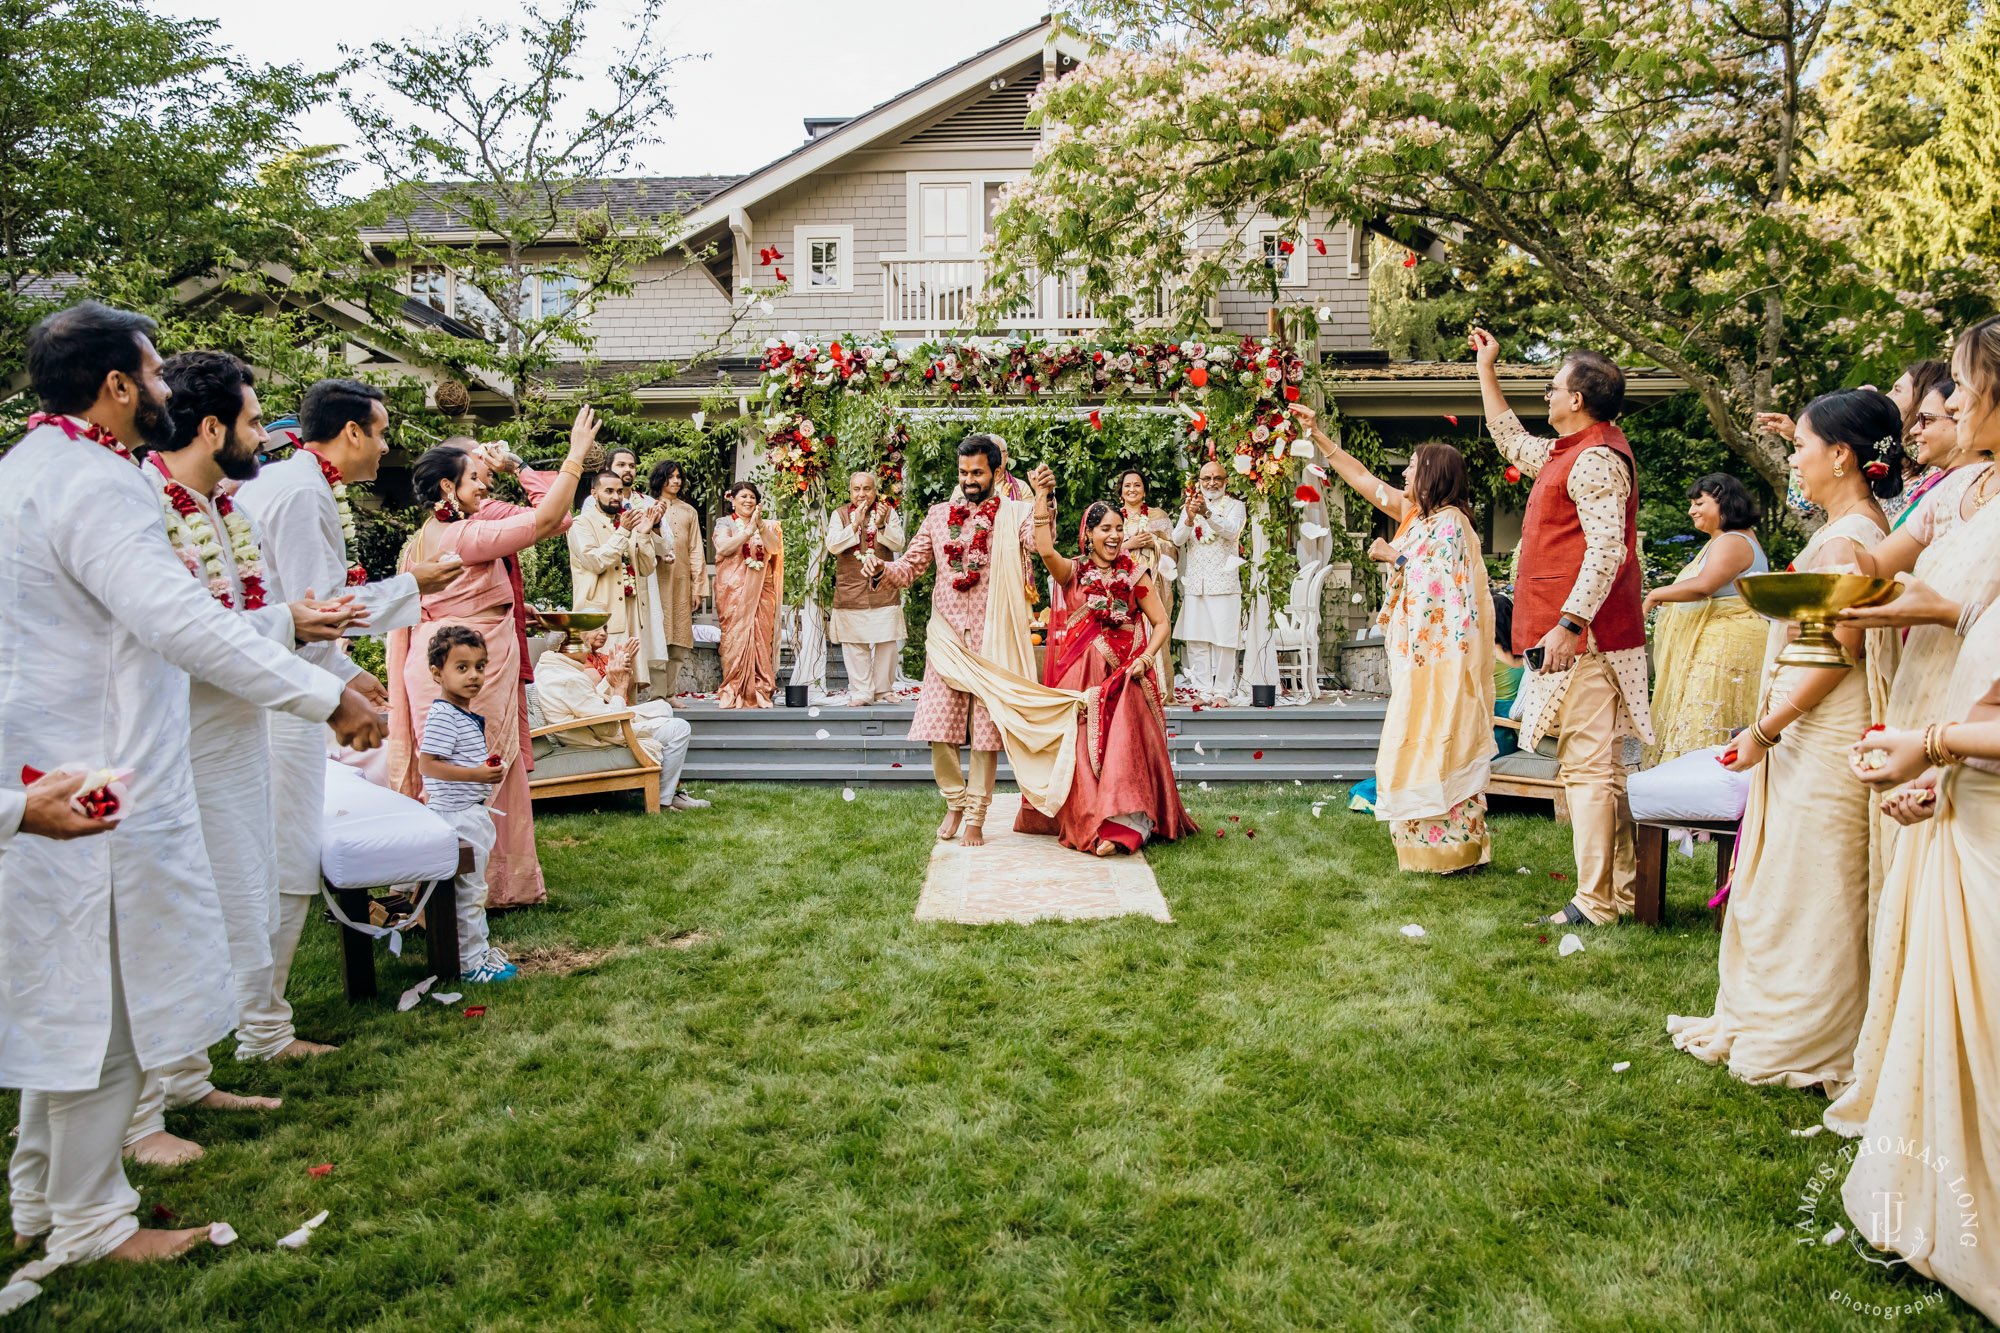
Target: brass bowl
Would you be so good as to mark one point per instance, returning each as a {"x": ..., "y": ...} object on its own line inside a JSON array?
[
  {"x": 573, "y": 621},
  {"x": 1813, "y": 601}
]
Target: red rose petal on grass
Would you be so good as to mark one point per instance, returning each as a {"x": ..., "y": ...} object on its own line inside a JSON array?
[
  {"x": 1249, "y": 833},
  {"x": 323, "y": 1169},
  {"x": 1545, "y": 939},
  {"x": 1557, "y": 874},
  {"x": 476, "y": 1011},
  {"x": 162, "y": 1213},
  {"x": 1236, "y": 819},
  {"x": 1258, "y": 755}
]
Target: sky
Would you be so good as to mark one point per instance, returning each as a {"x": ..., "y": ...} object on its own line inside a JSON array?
[{"x": 767, "y": 66}]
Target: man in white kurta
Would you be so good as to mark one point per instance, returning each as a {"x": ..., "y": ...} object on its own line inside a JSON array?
[
  {"x": 300, "y": 524},
  {"x": 113, "y": 954},
  {"x": 1210, "y": 624},
  {"x": 867, "y": 620},
  {"x": 217, "y": 423},
  {"x": 613, "y": 551}
]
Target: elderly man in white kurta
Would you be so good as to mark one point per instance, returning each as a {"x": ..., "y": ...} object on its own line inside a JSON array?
[
  {"x": 1210, "y": 624},
  {"x": 113, "y": 954},
  {"x": 867, "y": 620},
  {"x": 305, "y": 524},
  {"x": 217, "y": 431}
]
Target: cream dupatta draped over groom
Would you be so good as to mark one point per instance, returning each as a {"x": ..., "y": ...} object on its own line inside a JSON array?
[{"x": 979, "y": 672}]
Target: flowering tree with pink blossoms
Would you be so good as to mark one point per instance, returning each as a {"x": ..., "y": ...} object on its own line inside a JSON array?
[{"x": 1651, "y": 156}]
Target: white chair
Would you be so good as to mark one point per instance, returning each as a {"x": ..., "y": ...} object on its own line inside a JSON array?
[{"x": 1297, "y": 630}]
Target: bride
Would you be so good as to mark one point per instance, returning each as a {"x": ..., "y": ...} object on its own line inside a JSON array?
[{"x": 1123, "y": 792}]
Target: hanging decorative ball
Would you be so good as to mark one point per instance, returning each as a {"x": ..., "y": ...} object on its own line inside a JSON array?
[
  {"x": 452, "y": 398},
  {"x": 595, "y": 460},
  {"x": 593, "y": 227}
]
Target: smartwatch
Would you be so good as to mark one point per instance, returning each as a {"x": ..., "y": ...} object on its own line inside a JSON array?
[{"x": 1570, "y": 625}]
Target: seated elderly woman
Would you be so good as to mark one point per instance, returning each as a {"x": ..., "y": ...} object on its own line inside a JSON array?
[{"x": 572, "y": 688}]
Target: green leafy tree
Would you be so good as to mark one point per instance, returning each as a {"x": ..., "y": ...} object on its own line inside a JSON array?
[
  {"x": 497, "y": 177},
  {"x": 1646, "y": 157},
  {"x": 137, "y": 156},
  {"x": 1946, "y": 198}
]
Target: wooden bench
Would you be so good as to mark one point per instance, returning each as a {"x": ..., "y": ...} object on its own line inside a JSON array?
[
  {"x": 1649, "y": 899},
  {"x": 357, "y": 950},
  {"x": 583, "y": 770}
]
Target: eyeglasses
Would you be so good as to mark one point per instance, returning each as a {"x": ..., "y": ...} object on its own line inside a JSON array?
[
  {"x": 1925, "y": 420},
  {"x": 1549, "y": 394}
]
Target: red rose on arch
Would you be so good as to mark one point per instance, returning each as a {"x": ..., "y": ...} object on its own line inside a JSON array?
[{"x": 1291, "y": 393}]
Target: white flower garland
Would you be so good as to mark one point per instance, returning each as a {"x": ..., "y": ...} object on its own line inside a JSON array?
[
  {"x": 193, "y": 538},
  {"x": 346, "y": 512}
]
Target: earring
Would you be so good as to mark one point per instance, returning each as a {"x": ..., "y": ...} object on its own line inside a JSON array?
[{"x": 1839, "y": 471}]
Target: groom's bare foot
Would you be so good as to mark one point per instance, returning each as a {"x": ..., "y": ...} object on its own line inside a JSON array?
[
  {"x": 22, "y": 1242},
  {"x": 949, "y": 829},
  {"x": 150, "y": 1245},
  {"x": 218, "y": 1100},
  {"x": 298, "y": 1049},
  {"x": 975, "y": 836}
]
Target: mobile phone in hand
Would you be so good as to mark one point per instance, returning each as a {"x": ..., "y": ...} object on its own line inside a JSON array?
[{"x": 1534, "y": 656}]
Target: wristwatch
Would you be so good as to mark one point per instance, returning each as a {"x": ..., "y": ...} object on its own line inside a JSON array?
[{"x": 1570, "y": 625}]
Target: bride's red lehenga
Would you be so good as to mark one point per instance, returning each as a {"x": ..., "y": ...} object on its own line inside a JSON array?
[{"x": 1124, "y": 788}]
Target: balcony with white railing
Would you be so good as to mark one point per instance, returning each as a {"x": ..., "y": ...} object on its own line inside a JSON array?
[{"x": 927, "y": 294}]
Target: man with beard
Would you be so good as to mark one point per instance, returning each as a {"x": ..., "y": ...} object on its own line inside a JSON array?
[
  {"x": 217, "y": 431},
  {"x": 959, "y": 534},
  {"x": 613, "y": 551},
  {"x": 1211, "y": 619},
  {"x": 113, "y": 954},
  {"x": 306, "y": 526}
]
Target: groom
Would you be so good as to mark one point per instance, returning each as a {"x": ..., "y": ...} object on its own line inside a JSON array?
[{"x": 959, "y": 535}]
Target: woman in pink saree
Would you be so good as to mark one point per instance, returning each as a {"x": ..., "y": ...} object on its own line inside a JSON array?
[
  {"x": 1108, "y": 649},
  {"x": 749, "y": 580},
  {"x": 454, "y": 483}
]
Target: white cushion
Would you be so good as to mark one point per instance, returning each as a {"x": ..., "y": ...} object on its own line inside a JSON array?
[
  {"x": 373, "y": 837},
  {"x": 1693, "y": 786}
]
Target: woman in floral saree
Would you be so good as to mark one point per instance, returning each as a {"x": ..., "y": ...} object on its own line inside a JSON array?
[
  {"x": 749, "y": 579},
  {"x": 1123, "y": 792},
  {"x": 1437, "y": 623}
]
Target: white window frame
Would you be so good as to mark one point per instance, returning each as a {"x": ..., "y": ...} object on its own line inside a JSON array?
[
  {"x": 975, "y": 183},
  {"x": 802, "y": 239},
  {"x": 1295, "y": 272}
]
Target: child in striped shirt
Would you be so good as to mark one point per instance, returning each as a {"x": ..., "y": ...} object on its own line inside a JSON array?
[{"x": 459, "y": 773}]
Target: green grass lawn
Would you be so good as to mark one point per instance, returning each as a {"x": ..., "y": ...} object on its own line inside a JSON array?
[{"x": 815, "y": 1113}]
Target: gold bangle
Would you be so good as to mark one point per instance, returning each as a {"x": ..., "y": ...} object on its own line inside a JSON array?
[
  {"x": 1757, "y": 735},
  {"x": 571, "y": 468},
  {"x": 1935, "y": 748}
]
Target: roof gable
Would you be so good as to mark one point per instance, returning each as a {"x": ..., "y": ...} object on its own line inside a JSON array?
[{"x": 928, "y": 107}]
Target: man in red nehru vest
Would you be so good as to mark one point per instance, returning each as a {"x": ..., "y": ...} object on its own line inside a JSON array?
[{"x": 1577, "y": 598}]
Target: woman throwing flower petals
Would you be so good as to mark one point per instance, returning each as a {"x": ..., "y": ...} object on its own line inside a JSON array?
[{"x": 1123, "y": 792}]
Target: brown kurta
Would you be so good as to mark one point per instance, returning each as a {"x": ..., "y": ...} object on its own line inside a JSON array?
[
  {"x": 851, "y": 589},
  {"x": 687, "y": 574}
]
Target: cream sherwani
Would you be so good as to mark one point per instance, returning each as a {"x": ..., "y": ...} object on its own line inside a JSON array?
[
  {"x": 605, "y": 560},
  {"x": 1211, "y": 579},
  {"x": 231, "y": 753},
  {"x": 100, "y": 628},
  {"x": 298, "y": 524}
]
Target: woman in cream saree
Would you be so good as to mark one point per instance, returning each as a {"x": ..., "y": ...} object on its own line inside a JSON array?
[
  {"x": 1927, "y": 1065},
  {"x": 1793, "y": 965},
  {"x": 1432, "y": 768},
  {"x": 749, "y": 581}
]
